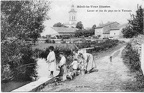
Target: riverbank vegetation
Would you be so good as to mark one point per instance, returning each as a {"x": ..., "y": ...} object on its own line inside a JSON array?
[
  {"x": 131, "y": 59},
  {"x": 20, "y": 20}
]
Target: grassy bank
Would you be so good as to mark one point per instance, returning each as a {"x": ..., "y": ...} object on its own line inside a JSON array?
[{"x": 131, "y": 59}]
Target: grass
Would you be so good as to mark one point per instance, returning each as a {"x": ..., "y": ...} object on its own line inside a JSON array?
[
  {"x": 136, "y": 85},
  {"x": 131, "y": 60}
]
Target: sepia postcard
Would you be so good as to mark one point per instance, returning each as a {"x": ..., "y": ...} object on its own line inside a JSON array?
[{"x": 72, "y": 45}]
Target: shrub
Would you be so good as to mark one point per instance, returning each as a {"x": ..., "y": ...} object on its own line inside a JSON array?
[
  {"x": 40, "y": 53},
  {"x": 84, "y": 33},
  {"x": 44, "y": 53},
  {"x": 83, "y": 45},
  {"x": 103, "y": 45},
  {"x": 36, "y": 53},
  {"x": 18, "y": 55},
  {"x": 131, "y": 58},
  {"x": 49, "y": 41},
  {"x": 53, "y": 41},
  {"x": 67, "y": 52}
]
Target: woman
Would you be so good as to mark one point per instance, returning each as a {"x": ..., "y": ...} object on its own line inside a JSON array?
[
  {"x": 51, "y": 59},
  {"x": 90, "y": 64}
]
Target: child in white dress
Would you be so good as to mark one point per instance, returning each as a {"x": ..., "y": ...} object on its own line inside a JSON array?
[{"x": 51, "y": 60}]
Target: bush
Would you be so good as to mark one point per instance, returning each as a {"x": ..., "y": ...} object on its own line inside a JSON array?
[
  {"x": 65, "y": 37},
  {"x": 103, "y": 45},
  {"x": 83, "y": 45},
  {"x": 67, "y": 52},
  {"x": 36, "y": 53},
  {"x": 44, "y": 53},
  {"x": 19, "y": 58},
  {"x": 84, "y": 33},
  {"x": 131, "y": 58},
  {"x": 49, "y": 41}
]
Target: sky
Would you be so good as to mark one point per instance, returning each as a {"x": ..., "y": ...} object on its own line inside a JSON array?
[{"x": 60, "y": 8}]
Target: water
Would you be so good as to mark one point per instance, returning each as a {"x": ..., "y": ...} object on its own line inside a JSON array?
[
  {"x": 9, "y": 86},
  {"x": 42, "y": 70}
]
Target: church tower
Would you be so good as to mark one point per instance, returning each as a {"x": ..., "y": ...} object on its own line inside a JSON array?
[{"x": 72, "y": 16}]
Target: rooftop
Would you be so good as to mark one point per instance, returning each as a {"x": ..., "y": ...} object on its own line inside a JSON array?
[
  {"x": 64, "y": 29},
  {"x": 103, "y": 25}
]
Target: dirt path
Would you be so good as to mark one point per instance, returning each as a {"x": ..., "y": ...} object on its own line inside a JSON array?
[{"x": 111, "y": 76}]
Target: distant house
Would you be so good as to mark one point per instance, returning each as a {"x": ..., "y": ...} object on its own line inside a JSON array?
[
  {"x": 103, "y": 31},
  {"x": 114, "y": 32},
  {"x": 110, "y": 30},
  {"x": 117, "y": 32}
]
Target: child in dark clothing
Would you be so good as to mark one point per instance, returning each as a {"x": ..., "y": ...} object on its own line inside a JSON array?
[{"x": 110, "y": 58}]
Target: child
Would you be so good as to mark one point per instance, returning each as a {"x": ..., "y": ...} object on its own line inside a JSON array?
[
  {"x": 74, "y": 65},
  {"x": 51, "y": 60},
  {"x": 82, "y": 64},
  {"x": 69, "y": 73},
  {"x": 62, "y": 66},
  {"x": 110, "y": 58}
]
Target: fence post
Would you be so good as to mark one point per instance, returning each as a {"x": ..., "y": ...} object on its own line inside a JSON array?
[{"x": 142, "y": 57}]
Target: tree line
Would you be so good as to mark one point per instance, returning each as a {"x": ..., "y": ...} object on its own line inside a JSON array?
[
  {"x": 22, "y": 20},
  {"x": 80, "y": 29},
  {"x": 135, "y": 24}
]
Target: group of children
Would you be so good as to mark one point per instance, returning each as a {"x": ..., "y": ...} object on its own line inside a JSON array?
[{"x": 82, "y": 63}]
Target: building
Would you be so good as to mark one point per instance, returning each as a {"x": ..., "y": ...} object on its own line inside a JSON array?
[
  {"x": 70, "y": 29},
  {"x": 63, "y": 31},
  {"x": 103, "y": 31},
  {"x": 72, "y": 18},
  {"x": 114, "y": 33},
  {"x": 110, "y": 30},
  {"x": 117, "y": 32}
]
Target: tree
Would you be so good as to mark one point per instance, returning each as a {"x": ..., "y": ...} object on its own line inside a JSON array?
[
  {"x": 135, "y": 24},
  {"x": 23, "y": 19},
  {"x": 128, "y": 32},
  {"x": 85, "y": 33},
  {"x": 79, "y": 25},
  {"x": 58, "y": 25},
  {"x": 94, "y": 27}
]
